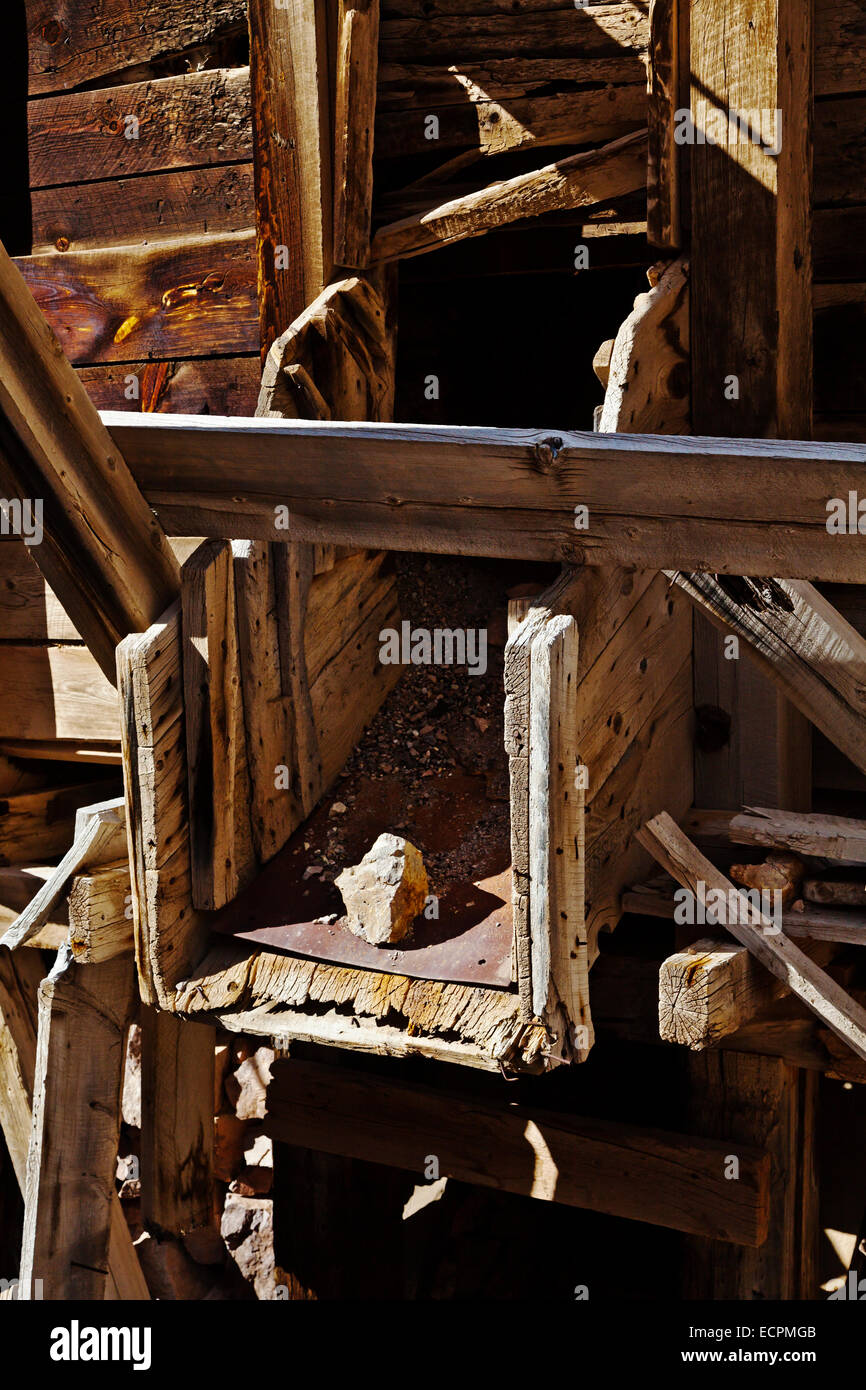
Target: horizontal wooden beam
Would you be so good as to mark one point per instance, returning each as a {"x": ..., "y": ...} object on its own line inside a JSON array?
[
  {"x": 829, "y": 837},
  {"x": 654, "y": 501},
  {"x": 666, "y": 1179}
]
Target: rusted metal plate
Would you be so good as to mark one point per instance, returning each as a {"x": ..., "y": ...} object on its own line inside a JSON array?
[{"x": 470, "y": 943}]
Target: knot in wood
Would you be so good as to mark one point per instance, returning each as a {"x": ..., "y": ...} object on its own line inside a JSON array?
[{"x": 546, "y": 453}]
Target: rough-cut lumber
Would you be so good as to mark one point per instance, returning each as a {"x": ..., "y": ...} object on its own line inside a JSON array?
[
  {"x": 53, "y": 691},
  {"x": 20, "y": 978},
  {"x": 39, "y": 825},
  {"x": 653, "y": 501},
  {"x": 647, "y": 388},
  {"x": 100, "y": 837},
  {"x": 29, "y": 611},
  {"x": 810, "y": 922},
  {"x": 560, "y": 967},
  {"x": 357, "y": 64},
  {"x": 169, "y": 934},
  {"x": 100, "y": 914},
  {"x": 292, "y": 156},
  {"x": 146, "y": 208},
  {"x": 177, "y": 1069},
  {"x": 17, "y": 887},
  {"x": 335, "y": 361},
  {"x": 817, "y": 659},
  {"x": 62, "y": 750},
  {"x": 492, "y": 31},
  {"x": 709, "y": 990},
  {"x": 84, "y": 1013},
  {"x": 194, "y": 119},
  {"x": 577, "y": 181},
  {"x": 103, "y": 552},
  {"x": 763, "y": 1102},
  {"x": 647, "y": 1175},
  {"x": 663, "y": 174},
  {"x": 176, "y": 298},
  {"x": 86, "y": 40},
  {"x": 836, "y": 892},
  {"x": 675, "y": 852},
  {"x": 198, "y": 386},
  {"x": 827, "y": 837},
  {"x": 221, "y": 849}
]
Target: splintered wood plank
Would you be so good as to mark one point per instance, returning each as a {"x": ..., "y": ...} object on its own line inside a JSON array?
[
  {"x": 675, "y": 852},
  {"x": 84, "y": 1013},
  {"x": 829, "y": 837},
  {"x": 577, "y": 181},
  {"x": 103, "y": 551},
  {"x": 194, "y": 119},
  {"x": 817, "y": 659},
  {"x": 177, "y": 1071},
  {"x": 219, "y": 789},
  {"x": 269, "y": 713},
  {"x": 355, "y": 112},
  {"x": 646, "y": 1175},
  {"x": 85, "y": 41},
  {"x": 170, "y": 935},
  {"x": 292, "y": 144},
  {"x": 100, "y": 914},
  {"x": 56, "y": 692},
  {"x": 653, "y": 501},
  {"x": 176, "y": 298},
  {"x": 100, "y": 837},
  {"x": 556, "y": 835},
  {"x": 146, "y": 208},
  {"x": 663, "y": 175}
]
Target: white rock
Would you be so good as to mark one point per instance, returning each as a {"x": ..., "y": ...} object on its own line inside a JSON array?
[{"x": 386, "y": 891}]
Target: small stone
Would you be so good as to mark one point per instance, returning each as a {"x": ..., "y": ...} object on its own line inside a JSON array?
[
  {"x": 339, "y": 808},
  {"x": 311, "y": 871},
  {"x": 386, "y": 891}
]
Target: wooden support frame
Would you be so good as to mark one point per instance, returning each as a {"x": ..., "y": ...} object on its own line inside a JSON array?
[
  {"x": 652, "y": 501},
  {"x": 644, "y": 1175}
]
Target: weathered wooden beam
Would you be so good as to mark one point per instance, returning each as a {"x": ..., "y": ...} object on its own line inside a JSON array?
[
  {"x": 580, "y": 180},
  {"x": 100, "y": 837},
  {"x": 827, "y": 837},
  {"x": 38, "y": 825},
  {"x": 100, "y": 914},
  {"x": 177, "y": 1086},
  {"x": 817, "y": 659},
  {"x": 647, "y": 383},
  {"x": 292, "y": 157},
  {"x": 645, "y": 1175},
  {"x": 84, "y": 1013},
  {"x": 557, "y": 916},
  {"x": 663, "y": 173},
  {"x": 17, "y": 887},
  {"x": 652, "y": 501},
  {"x": 675, "y": 852},
  {"x": 811, "y": 923},
  {"x": 103, "y": 551},
  {"x": 221, "y": 847},
  {"x": 357, "y": 70}
]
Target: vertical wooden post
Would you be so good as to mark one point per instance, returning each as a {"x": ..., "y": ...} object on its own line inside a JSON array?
[
  {"x": 84, "y": 1012},
  {"x": 751, "y": 346},
  {"x": 177, "y": 1086},
  {"x": 292, "y": 157}
]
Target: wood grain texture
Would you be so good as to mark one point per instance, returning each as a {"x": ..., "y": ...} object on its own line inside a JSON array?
[
  {"x": 842, "y": 1014},
  {"x": 177, "y": 1133},
  {"x": 85, "y": 41},
  {"x": 56, "y": 692},
  {"x": 195, "y": 386},
  {"x": 663, "y": 174},
  {"x": 648, "y": 388},
  {"x": 482, "y": 32},
  {"x": 103, "y": 551},
  {"x": 710, "y": 990},
  {"x": 100, "y": 914},
  {"x": 596, "y": 1164},
  {"x": 39, "y": 825},
  {"x": 579, "y": 180},
  {"x": 292, "y": 145},
  {"x": 221, "y": 848},
  {"x": 354, "y": 120},
  {"x": 829, "y": 837},
  {"x": 800, "y": 642},
  {"x": 195, "y": 119},
  {"x": 182, "y": 298},
  {"x": 143, "y": 210},
  {"x": 746, "y": 507},
  {"x": 69, "y": 1192}
]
